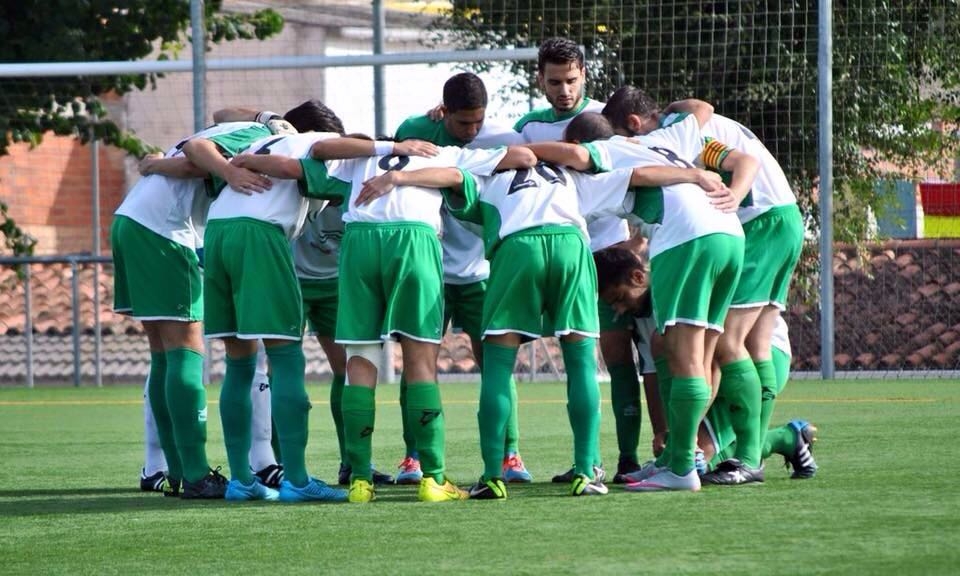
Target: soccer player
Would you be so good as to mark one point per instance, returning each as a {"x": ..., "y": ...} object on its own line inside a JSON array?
[
  {"x": 465, "y": 268},
  {"x": 561, "y": 74},
  {"x": 157, "y": 281},
  {"x": 390, "y": 279},
  {"x": 251, "y": 293},
  {"x": 696, "y": 252},
  {"x": 794, "y": 441},
  {"x": 773, "y": 229}
]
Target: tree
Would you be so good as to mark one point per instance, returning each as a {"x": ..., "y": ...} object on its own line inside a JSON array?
[
  {"x": 94, "y": 30},
  {"x": 895, "y": 76}
]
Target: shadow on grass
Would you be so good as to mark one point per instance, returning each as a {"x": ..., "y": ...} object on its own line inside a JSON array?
[{"x": 25, "y": 503}]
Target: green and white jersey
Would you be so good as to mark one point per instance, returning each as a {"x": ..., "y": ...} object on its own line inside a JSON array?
[
  {"x": 463, "y": 258},
  {"x": 781, "y": 336},
  {"x": 545, "y": 125},
  {"x": 316, "y": 252},
  {"x": 344, "y": 179},
  {"x": 670, "y": 215},
  {"x": 282, "y": 204},
  {"x": 546, "y": 195},
  {"x": 176, "y": 208},
  {"x": 771, "y": 187}
]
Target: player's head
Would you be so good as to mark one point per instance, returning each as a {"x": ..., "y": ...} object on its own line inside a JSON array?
[
  {"x": 314, "y": 116},
  {"x": 561, "y": 73},
  {"x": 622, "y": 278},
  {"x": 587, "y": 127},
  {"x": 464, "y": 106},
  {"x": 632, "y": 112}
]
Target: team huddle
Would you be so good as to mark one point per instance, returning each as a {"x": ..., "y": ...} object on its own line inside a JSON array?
[{"x": 668, "y": 236}]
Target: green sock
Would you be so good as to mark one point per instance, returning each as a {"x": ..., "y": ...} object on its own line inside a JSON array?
[
  {"x": 359, "y": 415},
  {"x": 740, "y": 385},
  {"x": 781, "y": 441},
  {"x": 187, "y": 401},
  {"x": 625, "y": 397},
  {"x": 291, "y": 408},
  {"x": 336, "y": 410},
  {"x": 583, "y": 404},
  {"x": 425, "y": 415},
  {"x": 236, "y": 412},
  {"x": 156, "y": 389},
  {"x": 664, "y": 382},
  {"x": 688, "y": 402},
  {"x": 496, "y": 398},
  {"x": 511, "y": 443},
  {"x": 768, "y": 394},
  {"x": 409, "y": 438}
]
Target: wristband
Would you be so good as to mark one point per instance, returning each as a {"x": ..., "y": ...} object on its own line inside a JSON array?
[
  {"x": 382, "y": 148},
  {"x": 266, "y": 116}
]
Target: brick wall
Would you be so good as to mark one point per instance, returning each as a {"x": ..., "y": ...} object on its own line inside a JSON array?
[{"x": 48, "y": 191}]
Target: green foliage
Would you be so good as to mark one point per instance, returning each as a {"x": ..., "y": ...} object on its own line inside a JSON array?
[
  {"x": 895, "y": 76},
  {"x": 98, "y": 30},
  {"x": 15, "y": 239},
  {"x": 94, "y": 30}
]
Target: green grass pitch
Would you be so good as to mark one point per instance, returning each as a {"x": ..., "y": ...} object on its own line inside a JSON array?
[{"x": 884, "y": 502}]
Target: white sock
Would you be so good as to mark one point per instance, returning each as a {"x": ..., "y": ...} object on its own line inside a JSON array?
[
  {"x": 261, "y": 451},
  {"x": 153, "y": 459}
]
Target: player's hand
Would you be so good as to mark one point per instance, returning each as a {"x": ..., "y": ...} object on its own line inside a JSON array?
[
  {"x": 246, "y": 181},
  {"x": 723, "y": 199},
  {"x": 146, "y": 164},
  {"x": 709, "y": 180},
  {"x": 415, "y": 148},
  {"x": 281, "y": 126},
  {"x": 377, "y": 186},
  {"x": 659, "y": 443},
  {"x": 436, "y": 113}
]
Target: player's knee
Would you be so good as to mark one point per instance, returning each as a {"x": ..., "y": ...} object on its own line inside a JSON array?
[{"x": 363, "y": 363}]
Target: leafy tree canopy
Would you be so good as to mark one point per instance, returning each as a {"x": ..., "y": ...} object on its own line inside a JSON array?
[
  {"x": 895, "y": 75},
  {"x": 87, "y": 31}
]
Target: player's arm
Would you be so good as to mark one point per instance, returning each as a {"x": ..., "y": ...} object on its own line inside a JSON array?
[
  {"x": 271, "y": 120},
  {"x": 177, "y": 167},
  {"x": 385, "y": 183},
  {"x": 670, "y": 175},
  {"x": 274, "y": 165},
  {"x": 563, "y": 154},
  {"x": 517, "y": 157},
  {"x": 206, "y": 155},
  {"x": 703, "y": 111},
  {"x": 349, "y": 147},
  {"x": 743, "y": 168}
]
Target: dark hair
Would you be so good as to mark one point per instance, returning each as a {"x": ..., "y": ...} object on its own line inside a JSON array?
[
  {"x": 558, "y": 51},
  {"x": 628, "y": 100},
  {"x": 464, "y": 91},
  {"x": 314, "y": 116},
  {"x": 587, "y": 127},
  {"x": 615, "y": 264}
]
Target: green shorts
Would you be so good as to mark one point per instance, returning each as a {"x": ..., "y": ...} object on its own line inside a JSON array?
[
  {"x": 391, "y": 283},
  {"x": 154, "y": 277},
  {"x": 320, "y": 299},
  {"x": 249, "y": 285},
  {"x": 771, "y": 251},
  {"x": 545, "y": 272},
  {"x": 693, "y": 283},
  {"x": 463, "y": 304}
]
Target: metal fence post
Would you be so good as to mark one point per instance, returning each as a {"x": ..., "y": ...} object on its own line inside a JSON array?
[
  {"x": 75, "y": 298},
  {"x": 95, "y": 192},
  {"x": 28, "y": 322},
  {"x": 825, "y": 121}
]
